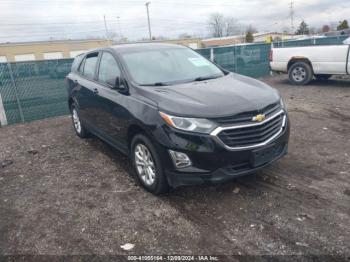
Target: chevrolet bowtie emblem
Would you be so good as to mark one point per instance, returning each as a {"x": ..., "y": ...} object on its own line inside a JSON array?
[{"x": 259, "y": 118}]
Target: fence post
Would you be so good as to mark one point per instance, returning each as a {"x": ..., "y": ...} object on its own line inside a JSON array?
[
  {"x": 212, "y": 54},
  {"x": 235, "y": 58},
  {"x": 16, "y": 91},
  {"x": 3, "y": 119}
]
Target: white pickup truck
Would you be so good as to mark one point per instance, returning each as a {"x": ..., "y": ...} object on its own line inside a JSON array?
[{"x": 304, "y": 63}]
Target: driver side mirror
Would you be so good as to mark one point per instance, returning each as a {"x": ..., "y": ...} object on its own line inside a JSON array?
[{"x": 118, "y": 84}]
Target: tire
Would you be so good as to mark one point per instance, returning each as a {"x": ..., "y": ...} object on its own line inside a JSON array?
[
  {"x": 323, "y": 77},
  {"x": 78, "y": 126},
  {"x": 152, "y": 178},
  {"x": 300, "y": 73}
]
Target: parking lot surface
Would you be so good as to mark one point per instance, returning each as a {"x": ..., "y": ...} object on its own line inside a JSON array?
[{"x": 62, "y": 195}]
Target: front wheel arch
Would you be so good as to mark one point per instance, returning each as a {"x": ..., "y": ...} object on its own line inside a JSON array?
[{"x": 134, "y": 130}]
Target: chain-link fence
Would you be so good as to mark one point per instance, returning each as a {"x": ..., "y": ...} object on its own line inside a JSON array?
[
  {"x": 36, "y": 90},
  {"x": 249, "y": 59},
  {"x": 33, "y": 90},
  {"x": 333, "y": 40}
]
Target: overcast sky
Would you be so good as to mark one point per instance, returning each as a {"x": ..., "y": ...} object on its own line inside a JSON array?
[{"x": 28, "y": 20}]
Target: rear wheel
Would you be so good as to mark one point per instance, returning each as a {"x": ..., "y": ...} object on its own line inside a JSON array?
[
  {"x": 323, "y": 77},
  {"x": 147, "y": 165},
  {"x": 300, "y": 73},
  {"x": 79, "y": 128}
]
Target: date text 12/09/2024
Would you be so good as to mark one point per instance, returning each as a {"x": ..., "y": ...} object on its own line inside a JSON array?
[{"x": 173, "y": 258}]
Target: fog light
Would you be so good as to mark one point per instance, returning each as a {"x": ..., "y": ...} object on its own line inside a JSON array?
[{"x": 180, "y": 160}]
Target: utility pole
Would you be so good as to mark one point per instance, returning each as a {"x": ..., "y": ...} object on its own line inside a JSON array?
[
  {"x": 119, "y": 33},
  {"x": 104, "y": 18},
  {"x": 149, "y": 23},
  {"x": 291, "y": 6},
  {"x": 119, "y": 28}
]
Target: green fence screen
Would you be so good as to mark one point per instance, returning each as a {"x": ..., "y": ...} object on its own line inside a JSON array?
[
  {"x": 36, "y": 90},
  {"x": 251, "y": 60}
]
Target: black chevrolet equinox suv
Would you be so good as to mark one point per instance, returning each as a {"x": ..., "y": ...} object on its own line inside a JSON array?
[{"x": 180, "y": 118}]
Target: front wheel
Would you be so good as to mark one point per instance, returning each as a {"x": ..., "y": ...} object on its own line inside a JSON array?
[
  {"x": 147, "y": 165},
  {"x": 300, "y": 73}
]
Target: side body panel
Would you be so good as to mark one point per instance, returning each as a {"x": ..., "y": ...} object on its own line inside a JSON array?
[
  {"x": 324, "y": 59},
  {"x": 85, "y": 97}
]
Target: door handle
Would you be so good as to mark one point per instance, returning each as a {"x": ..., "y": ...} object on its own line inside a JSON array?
[{"x": 95, "y": 90}]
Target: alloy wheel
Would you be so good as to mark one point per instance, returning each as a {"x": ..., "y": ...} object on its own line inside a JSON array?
[
  {"x": 76, "y": 120},
  {"x": 144, "y": 164}
]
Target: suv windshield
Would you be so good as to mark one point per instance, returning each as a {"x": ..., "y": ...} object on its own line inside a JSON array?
[{"x": 169, "y": 65}]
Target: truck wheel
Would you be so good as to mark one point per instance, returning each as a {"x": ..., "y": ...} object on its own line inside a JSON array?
[
  {"x": 148, "y": 166},
  {"x": 300, "y": 73},
  {"x": 323, "y": 77}
]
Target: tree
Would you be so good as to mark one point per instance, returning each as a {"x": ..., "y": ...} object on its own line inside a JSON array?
[
  {"x": 216, "y": 24},
  {"x": 159, "y": 37},
  {"x": 303, "y": 29},
  {"x": 343, "y": 25},
  {"x": 326, "y": 29},
  {"x": 231, "y": 26},
  {"x": 220, "y": 26},
  {"x": 249, "y": 37},
  {"x": 251, "y": 29}
]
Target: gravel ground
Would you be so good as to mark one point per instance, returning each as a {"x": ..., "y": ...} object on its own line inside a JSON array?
[{"x": 61, "y": 195}]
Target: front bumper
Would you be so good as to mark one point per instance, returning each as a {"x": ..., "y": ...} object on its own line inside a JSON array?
[
  {"x": 212, "y": 163},
  {"x": 220, "y": 175}
]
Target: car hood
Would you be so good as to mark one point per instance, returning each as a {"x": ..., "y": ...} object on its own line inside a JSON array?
[{"x": 224, "y": 96}]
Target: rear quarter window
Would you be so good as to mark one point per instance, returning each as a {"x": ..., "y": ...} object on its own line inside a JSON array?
[
  {"x": 87, "y": 67},
  {"x": 76, "y": 63}
]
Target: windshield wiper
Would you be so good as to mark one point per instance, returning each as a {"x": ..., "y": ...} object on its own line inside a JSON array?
[
  {"x": 155, "y": 84},
  {"x": 202, "y": 78}
]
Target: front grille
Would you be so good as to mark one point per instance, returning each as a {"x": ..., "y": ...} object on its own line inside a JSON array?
[
  {"x": 253, "y": 134},
  {"x": 247, "y": 116}
]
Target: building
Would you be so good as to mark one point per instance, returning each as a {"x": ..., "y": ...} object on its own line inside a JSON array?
[
  {"x": 193, "y": 43},
  {"x": 222, "y": 41},
  {"x": 239, "y": 39},
  {"x": 45, "y": 50}
]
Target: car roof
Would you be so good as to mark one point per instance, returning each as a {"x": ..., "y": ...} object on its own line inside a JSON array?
[
  {"x": 134, "y": 47},
  {"x": 125, "y": 48}
]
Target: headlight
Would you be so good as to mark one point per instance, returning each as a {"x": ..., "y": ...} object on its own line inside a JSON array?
[{"x": 198, "y": 125}]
